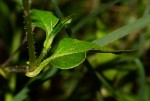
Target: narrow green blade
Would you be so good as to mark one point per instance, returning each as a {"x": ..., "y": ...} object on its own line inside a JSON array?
[{"x": 121, "y": 32}]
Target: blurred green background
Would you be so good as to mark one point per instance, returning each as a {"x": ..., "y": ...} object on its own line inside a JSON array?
[{"x": 124, "y": 77}]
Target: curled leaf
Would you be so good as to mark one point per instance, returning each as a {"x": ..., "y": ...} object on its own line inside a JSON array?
[{"x": 45, "y": 20}]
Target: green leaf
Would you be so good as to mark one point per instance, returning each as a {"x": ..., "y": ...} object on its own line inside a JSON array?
[
  {"x": 123, "y": 31},
  {"x": 45, "y": 20},
  {"x": 48, "y": 22},
  {"x": 71, "y": 52},
  {"x": 70, "y": 46},
  {"x": 69, "y": 61}
]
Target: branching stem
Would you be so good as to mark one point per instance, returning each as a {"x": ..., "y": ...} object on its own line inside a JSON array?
[{"x": 30, "y": 40}]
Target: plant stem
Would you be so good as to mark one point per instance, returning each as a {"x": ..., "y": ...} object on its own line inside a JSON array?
[
  {"x": 30, "y": 39},
  {"x": 39, "y": 68},
  {"x": 40, "y": 58}
]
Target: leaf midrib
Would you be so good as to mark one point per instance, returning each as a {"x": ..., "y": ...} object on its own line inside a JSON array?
[{"x": 44, "y": 24}]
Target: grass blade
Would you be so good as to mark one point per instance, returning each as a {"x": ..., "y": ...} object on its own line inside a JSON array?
[
  {"x": 142, "y": 85},
  {"x": 121, "y": 32},
  {"x": 22, "y": 95}
]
